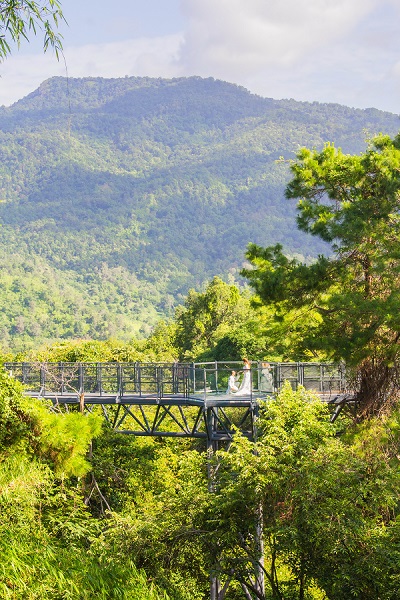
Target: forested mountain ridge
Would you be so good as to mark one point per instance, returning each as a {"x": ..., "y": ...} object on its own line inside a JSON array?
[{"x": 120, "y": 194}]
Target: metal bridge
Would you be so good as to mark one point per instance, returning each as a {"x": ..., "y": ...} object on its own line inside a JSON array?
[{"x": 173, "y": 399}]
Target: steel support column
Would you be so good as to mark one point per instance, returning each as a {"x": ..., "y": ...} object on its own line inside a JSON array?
[{"x": 212, "y": 447}]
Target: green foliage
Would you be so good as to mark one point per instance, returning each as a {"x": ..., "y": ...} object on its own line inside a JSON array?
[
  {"x": 245, "y": 338},
  {"x": 160, "y": 186},
  {"x": 64, "y": 439},
  {"x": 329, "y": 505},
  {"x": 82, "y": 350},
  {"x": 352, "y": 298},
  {"x": 40, "y": 308},
  {"x": 47, "y": 535},
  {"x": 156, "y": 489},
  {"x": 158, "y": 347},
  {"x": 12, "y": 426},
  {"x": 19, "y": 19},
  {"x": 208, "y": 322},
  {"x": 161, "y": 344},
  {"x": 285, "y": 295}
]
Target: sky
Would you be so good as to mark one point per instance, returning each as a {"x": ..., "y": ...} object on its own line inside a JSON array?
[{"x": 343, "y": 51}]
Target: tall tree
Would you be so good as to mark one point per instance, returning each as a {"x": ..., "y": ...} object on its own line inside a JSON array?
[
  {"x": 353, "y": 203},
  {"x": 209, "y": 317}
]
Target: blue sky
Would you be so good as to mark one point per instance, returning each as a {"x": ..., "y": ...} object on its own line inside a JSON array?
[{"x": 345, "y": 51}]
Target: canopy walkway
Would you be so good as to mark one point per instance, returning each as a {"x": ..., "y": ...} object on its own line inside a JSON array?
[{"x": 173, "y": 399}]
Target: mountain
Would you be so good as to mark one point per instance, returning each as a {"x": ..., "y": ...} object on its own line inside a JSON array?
[{"x": 118, "y": 195}]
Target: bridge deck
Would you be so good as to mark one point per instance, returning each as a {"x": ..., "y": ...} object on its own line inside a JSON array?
[{"x": 152, "y": 399}]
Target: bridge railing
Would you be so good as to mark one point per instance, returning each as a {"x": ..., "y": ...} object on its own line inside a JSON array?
[
  {"x": 102, "y": 379},
  {"x": 164, "y": 379},
  {"x": 269, "y": 377}
]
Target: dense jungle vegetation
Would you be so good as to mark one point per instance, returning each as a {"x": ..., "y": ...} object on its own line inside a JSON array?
[
  {"x": 119, "y": 195},
  {"x": 310, "y": 507},
  {"x": 132, "y": 517},
  {"x": 90, "y": 513}
]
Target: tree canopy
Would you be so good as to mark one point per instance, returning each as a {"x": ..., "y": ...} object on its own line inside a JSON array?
[
  {"x": 353, "y": 296},
  {"x": 325, "y": 501}
]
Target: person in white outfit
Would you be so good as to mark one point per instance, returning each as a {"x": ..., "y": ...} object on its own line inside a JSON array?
[
  {"x": 232, "y": 384},
  {"x": 245, "y": 386}
]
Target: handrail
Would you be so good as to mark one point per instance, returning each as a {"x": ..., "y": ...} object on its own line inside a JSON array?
[{"x": 167, "y": 379}]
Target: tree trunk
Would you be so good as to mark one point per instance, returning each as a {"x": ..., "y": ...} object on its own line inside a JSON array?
[{"x": 259, "y": 570}]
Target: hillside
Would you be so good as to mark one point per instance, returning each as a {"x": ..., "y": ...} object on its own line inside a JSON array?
[{"x": 121, "y": 194}]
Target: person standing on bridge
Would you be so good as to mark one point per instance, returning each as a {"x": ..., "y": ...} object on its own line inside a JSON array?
[{"x": 245, "y": 386}]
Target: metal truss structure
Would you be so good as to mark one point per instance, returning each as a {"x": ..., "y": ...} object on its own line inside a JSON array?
[{"x": 173, "y": 399}]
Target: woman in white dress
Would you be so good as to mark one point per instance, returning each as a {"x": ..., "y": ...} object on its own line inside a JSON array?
[{"x": 245, "y": 386}]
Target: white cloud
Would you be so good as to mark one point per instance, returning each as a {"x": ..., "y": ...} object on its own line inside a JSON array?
[
  {"x": 238, "y": 37},
  {"x": 326, "y": 50},
  {"x": 142, "y": 56}
]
